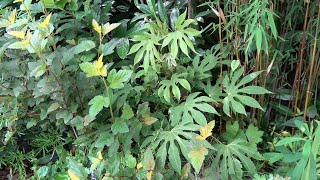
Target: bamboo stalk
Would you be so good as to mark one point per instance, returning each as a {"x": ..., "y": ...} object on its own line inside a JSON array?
[{"x": 310, "y": 82}]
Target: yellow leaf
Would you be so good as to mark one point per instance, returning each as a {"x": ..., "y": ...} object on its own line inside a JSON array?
[
  {"x": 149, "y": 175},
  {"x": 197, "y": 157},
  {"x": 96, "y": 26},
  {"x": 71, "y": 42},
  {"x": 205, "y": 131},
  {"x": 12, "y": 16},
  {"x": 17, "y": 34},
  {"x": 101, "y": 69},
  {"x": 46, "y": 21},
  {"x": 99, "y": 63},
  {"x": 72, "y": 175},
  {"x": 100, "y": 155},
  {"x": 149, "y": 120},
  {"x": 109, "y": 27},
  {"x": 16, "y": 1},
  {"x": 139, "y": 165},
  {"x": 28, "y": 36}
]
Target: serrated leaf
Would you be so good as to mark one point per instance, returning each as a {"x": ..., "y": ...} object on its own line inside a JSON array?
[
  {"x": 77, "y": 170},
  {"x": 109, "y": 27},
  {"x": 53, "y": 107},
  {"x": 123, "y": 49},
  {"x": 148, "y": 162},
  {"x": 231, "y": 130},
  {"x": 17, "y": 34},
  {"x": 96, "y": 26},
  {"x": 116, "y": 79},
  {"x": 97, "y": 104},
  {"x": 119, "y": 126},
  {"x": 253, "y": 134},
  {"x": 94, "y": 69},
  {"x": 205, "y": 131},
  {"x": 45, "y": 22},
  {"x": 72, "y": 175},
  {"x": 20, "y": 45},
  {"x": 104, "y": 139},
  {"x": 197, "y": 157},
  {"x": 12, "y": 16},
  {"x": 127, "y": 112},
  {"x": 130, "y": 161}
]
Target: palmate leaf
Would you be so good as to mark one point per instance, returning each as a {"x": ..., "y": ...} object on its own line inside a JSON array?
[
  {"x": 201, "y": 69},
  {"x": 233, "y": 157},
  {"x": 146, "y": 49},
  {"x": 235, "y": 98},
  {"x": 180, "y": 38},
  {"x": 171, "y": 85},
  {"x": 171, "y": 143},
  {"x": 191, "y": 110}
]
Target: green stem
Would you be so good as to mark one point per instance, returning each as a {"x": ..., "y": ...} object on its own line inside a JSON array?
[
  {"x": 28, "y": 11},
  {"x": 107, "y": 90}
]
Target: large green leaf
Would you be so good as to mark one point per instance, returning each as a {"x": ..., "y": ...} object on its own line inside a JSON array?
[
  {"x": 235, "y": 95},
  {"x": 190, "y": 110},
  {"x": 116, "y": 79},
  {"x": 97, "y": 104},
  {"x": 171, "y": 85}
]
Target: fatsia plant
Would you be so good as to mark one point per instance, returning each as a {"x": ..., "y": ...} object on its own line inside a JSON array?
[
  {"x": 190, "y": 110},
  {"x": 168, "y": 86},
  {"x": 235, "y": 97},
  {"x": 146, "y": 49},
  {"x": 235, "y": 156},
  {"x": 199, "y": 151},
  {"x": 181, "y": 36},
  {"x": 169, "y": 141}
]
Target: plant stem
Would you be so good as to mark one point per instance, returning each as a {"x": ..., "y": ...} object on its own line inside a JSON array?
[
  {"x": 311, "y": 69},
  {"x": 107, "y": 91}
]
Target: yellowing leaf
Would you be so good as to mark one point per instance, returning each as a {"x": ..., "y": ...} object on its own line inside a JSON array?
[
  {"x": 197, "y": 157},
  {"x": 109, "y": 27},
  {"x": 103, "y": 71},
  {"x": 100, "y": 155},
  {"x": 96, "y": 162},
  {"x": 71, "y": 42},
  {"x": 149, "y": 120},
  {"x": 139, "y": 165},
  {"x": 96, "y": 26},
  {"x": 205, "y": 131},
  {"x": 99, "y": 63},
  {"x": 72, "y": 175},
  {"x": 46, "y": 21},
  {"x": 28, "y": 37},
  {"x": 17, "y": 34},
  {"x": 95, "y": 69},
  {"x": 12, "y": 16},
  {"x": 149, "y": 175},
  {"x": 16, "y": 1}
]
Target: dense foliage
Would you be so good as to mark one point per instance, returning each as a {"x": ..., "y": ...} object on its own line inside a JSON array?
[{"x": 159, "y": 89}]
